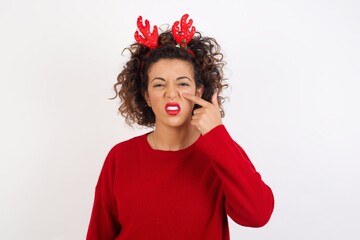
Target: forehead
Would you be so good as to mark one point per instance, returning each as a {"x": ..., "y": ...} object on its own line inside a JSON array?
[{"x": 166, "y": 67}]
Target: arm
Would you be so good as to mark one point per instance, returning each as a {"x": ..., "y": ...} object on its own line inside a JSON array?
[
  {"x": 249, "y": 201},
  {"x": 104, "y": 219}
]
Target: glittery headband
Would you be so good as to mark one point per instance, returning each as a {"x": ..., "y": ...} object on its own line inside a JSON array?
[{"x": 182, "y": 34}]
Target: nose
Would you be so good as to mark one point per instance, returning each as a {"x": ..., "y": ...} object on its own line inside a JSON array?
[{"x": 172, "y": 92}]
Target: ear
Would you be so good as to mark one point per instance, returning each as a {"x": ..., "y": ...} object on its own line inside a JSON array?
[
  {"x": 200, "y": 91},
  {"x": 147, "y": 99}
]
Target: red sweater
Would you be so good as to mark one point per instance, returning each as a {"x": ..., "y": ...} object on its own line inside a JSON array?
[{"x": 178, "y": 195}]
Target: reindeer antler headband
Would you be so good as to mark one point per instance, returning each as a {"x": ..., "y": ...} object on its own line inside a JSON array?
[{"x": 182, "y": 34}]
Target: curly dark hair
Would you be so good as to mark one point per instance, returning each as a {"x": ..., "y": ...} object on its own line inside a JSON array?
[{"x": 132, "y": 82}]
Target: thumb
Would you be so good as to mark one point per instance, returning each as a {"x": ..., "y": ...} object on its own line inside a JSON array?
[{"x": 214, "y": 99}]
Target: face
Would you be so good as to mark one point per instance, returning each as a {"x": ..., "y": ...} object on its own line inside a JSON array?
[{"x": 168, "y": 79}]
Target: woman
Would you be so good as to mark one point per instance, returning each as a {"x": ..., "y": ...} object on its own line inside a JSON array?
[{"x": 181, "y": 180}]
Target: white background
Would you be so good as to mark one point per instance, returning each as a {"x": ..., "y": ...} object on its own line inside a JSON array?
[{"x": 293, "y": 67}]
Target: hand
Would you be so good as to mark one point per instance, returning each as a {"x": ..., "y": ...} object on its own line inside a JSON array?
[{"x": 208, "y": 116}]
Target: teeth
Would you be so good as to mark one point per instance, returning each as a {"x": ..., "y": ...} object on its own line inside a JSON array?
[{"x": 172, "y": 108}]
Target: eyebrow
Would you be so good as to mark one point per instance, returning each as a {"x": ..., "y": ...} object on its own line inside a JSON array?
[
  {"x": 182, "y": 77},
  {"x": 158, "y": 78},
  {"x": 178, "y": 78}
]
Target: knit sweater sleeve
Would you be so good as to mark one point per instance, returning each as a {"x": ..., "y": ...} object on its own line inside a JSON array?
[
  {"x": 249, "y": 201},
  {"x": 104, "y": 217}
]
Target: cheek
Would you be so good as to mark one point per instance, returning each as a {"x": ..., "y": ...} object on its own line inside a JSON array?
[
  {"x": 189, "y": 90},
  {"x": 154, "y": 96}
]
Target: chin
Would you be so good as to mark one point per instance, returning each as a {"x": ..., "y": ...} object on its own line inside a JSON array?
[{"x": 177, "y": 122}]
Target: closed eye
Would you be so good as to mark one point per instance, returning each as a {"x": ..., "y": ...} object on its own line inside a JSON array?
[
  {"x": 157, "y": 85},
  {"x": 184, "y": 84}
]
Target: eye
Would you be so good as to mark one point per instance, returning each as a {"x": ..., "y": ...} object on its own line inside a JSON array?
[
  {"x": 184, "y": 84},
  {"x": 158, "y": 85}
]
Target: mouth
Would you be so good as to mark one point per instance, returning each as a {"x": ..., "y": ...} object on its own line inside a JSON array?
[{"x": 172, "y": 108}]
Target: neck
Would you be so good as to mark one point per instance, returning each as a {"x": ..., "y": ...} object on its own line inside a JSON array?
[{"x": 165, "y": 138}]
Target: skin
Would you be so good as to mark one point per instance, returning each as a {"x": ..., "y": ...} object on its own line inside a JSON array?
[{"x": 172, "y": 81}]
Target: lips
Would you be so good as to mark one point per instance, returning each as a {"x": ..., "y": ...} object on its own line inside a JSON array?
[{"x": 172, "y": 108}]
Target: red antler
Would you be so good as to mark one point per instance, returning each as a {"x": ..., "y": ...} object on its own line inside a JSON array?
[
  {"x": 183, "y": 36},
  {"x": 148, "y": 39}
]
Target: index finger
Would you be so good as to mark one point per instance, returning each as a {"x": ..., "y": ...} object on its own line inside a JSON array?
[{"x": 195, "y": 99}]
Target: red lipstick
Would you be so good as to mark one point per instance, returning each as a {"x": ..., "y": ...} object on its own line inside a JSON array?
[{"x": 172, "y": 108}]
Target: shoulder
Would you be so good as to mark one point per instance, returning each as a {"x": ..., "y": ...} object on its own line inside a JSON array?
[
  {"x": 128, "y": 146},
  {"x": 122, "y": 151}
]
